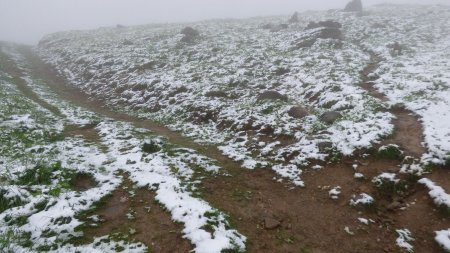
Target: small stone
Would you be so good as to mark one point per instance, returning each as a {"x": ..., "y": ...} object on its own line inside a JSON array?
[
  {"x": 272, "y": 95},
  {"x": 330, "y": 117},
  {"x": 271, "y": 223},
  {"x": 298, "y": 112}
]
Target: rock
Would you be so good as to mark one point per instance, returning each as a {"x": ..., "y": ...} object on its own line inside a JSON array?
[
  {"x": 325, "y": 146},
  {"x": 394, "y": 205},
  {"x": 323, "y": 33},
  {"x": 396, "y": 48},
  {"x": 151, "y": 147},
  {"x": 354, "y": 6},
  {"x": 328, "y": 24},
  {"x": 282, "y": 71},
  {"x": 294, "y": 18},
  {"x": 190, "y": 35},
  {"x": 298, "y": 112},
  {"x": 330, "y": 117},
  {"x": 127, "y": 42},
  {"x": 216, "y": 94},
  {"x": 271, "y": 223},
  {"x": 330, "y": 33},
  {"x": 272, "y": 95},
  {"x": 279, "y": 27}
]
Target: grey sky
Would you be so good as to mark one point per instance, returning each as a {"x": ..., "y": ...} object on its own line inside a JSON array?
[{"x": 27, "y": 21}]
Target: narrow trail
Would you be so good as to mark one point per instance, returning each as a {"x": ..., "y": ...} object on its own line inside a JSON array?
[
  {"x": 408, "y": 131},
  {"x": 72, "y": 94},
  {"x": 303, "y": 219},
  {"x": 11, "y": 68}
]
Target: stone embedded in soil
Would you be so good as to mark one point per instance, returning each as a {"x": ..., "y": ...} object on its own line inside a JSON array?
[
  {"x": 271, "y": 223},
  {"x": 330, "y": 117},
  {"x": 325, "y": 146},
  {"x": 298, "y": 112},
  {"x": 272, "y": 95}
]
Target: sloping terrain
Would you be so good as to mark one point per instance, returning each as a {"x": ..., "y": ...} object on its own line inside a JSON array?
[{"x": 256, "y": 135}]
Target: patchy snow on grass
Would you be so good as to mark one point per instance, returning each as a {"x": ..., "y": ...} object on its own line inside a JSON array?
[
  {"x": 38, "y": 162},
  {"x": 216, "y": 94},
  {"x": 443, "y": 238},
  {"x": 437, "y": 193},
  {"x": 404, "y": 239}
]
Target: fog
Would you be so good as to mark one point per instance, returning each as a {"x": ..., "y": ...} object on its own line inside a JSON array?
[{"x": 26, "y": 21}]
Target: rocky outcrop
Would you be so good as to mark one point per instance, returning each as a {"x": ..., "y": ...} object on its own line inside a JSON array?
[
  {"x": 294, "y": 18},
  {"x": 395, "y": 48},
  {"x": 354, "y": 6},
  {"x": 327, "y": 24},
  {"x": 324, "y": 33},
  {"x": 190, "y": 35}
]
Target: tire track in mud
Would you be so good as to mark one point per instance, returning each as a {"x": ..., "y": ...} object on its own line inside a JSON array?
[{"x": 301, "y": 219}]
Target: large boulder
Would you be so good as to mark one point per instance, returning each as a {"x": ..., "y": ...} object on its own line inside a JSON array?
[
  {"x": 354, "y": 6},
  {"x": 190, "y": 35}
]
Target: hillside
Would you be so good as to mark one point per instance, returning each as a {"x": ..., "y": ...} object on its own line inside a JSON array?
[{"x": 270, "y": 134}]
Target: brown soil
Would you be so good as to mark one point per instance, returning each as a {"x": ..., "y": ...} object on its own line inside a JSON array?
[
  {"x": 311, "y": 221},
  {"x": 152, "y": 224},
  {"x": 88, "y": 132},
  {"x": 83, "y": 182}
]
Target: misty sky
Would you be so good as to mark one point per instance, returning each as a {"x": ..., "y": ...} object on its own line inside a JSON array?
[{"x": 27, "y": 21}]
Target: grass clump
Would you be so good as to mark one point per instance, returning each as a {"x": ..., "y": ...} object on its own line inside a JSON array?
[
  {"x": 390, "y": 151},
  {"x": 39, "y": 175},
  {"x": 151, "y": 147}
]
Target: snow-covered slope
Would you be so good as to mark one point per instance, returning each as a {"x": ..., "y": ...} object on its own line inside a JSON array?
[{"x": 240, "y": 85}]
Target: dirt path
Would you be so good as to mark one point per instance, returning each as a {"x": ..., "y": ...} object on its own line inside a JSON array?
[
  {"x": 17, "y": 77},
  {"x": 150, "y": 223},
  {"x": 408, "y": 132},
  {"x": 72, "y": 94},
  {"x": 278, "y": 218}
]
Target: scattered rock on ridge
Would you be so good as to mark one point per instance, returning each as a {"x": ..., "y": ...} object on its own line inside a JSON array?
[
  {"x": 323, "y": 33},
  {"x": 294, "y": 18},
  {"x": 298, "y": 112},
  {"x": 330, "y": 117},
  {"x": 396, "y": 48},
  {"x": 354, "y": 6},
  {"x": 327, "y": 23},
  {"x": 190, "y": 34},
  {"x": 271, "y": 223},
  {"x": 272, "y": 95}
]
